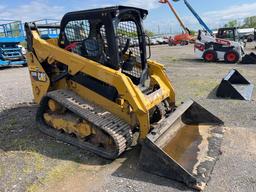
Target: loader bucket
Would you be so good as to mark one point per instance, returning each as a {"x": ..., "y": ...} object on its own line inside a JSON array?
[
  {"x": 185, "y": 146},
  {"x": 249, "y": 58},
  {"x": 235, "y": 86}
]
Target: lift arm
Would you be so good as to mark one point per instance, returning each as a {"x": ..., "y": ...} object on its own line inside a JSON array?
[
  {"x": 186, "y": 30},
  {"x": 205, "y": 26}
]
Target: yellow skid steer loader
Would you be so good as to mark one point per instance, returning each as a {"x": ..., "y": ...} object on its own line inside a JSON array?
[{"x": 96, "y": 89}]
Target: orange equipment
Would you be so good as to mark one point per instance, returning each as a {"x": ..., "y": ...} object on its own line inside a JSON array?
[{"x": 184, "y": 38}]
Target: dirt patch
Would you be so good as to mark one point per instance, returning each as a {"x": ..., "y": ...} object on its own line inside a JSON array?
[
  {"x": 30, "y": 159},
  {"x": 236, "y": 169}
]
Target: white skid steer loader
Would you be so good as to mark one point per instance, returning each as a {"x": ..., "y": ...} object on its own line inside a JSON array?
[{"x": 213, "y": 49}]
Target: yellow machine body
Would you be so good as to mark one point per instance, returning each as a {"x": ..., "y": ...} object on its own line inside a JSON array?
[{"x": 132, "y": 106}]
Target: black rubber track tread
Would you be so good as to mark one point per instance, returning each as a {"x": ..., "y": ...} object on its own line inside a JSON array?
[{"x": 116, "y": 128}]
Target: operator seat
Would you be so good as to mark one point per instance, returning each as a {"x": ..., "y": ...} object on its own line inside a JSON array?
[{"x": 93, "y": 46}]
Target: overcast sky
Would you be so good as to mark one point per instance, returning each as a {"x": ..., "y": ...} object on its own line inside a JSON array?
[{"x": 214, "y": 12}]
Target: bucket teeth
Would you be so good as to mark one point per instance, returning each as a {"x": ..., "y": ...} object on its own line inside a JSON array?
[{"x": 185, "y": 147}]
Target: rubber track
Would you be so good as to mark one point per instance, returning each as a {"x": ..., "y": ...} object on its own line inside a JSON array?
[{"x": 116, "y": 128}]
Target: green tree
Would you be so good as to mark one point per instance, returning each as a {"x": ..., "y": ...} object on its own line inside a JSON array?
[
  {"x": 123, "y": 32},
  {"x": 149, "y": 33},
  {"x": 192, "y": 32},
  {"x": 250, "y": 22},
  {"x": 232, "y": 23}
]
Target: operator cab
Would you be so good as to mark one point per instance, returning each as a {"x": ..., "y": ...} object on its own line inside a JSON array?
[
  {"x": 228, "y": 33},
  {"x": 113, "y": 37}
]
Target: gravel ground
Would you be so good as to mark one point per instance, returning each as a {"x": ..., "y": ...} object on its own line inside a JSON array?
[
  {"x": 15, "y": 87},
  {"x": 31, "y": 161}
]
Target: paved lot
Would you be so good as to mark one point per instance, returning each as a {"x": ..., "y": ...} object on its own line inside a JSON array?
[{"x": 31, "y": 161}]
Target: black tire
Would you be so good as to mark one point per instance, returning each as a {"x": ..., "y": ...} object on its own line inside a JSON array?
[
  {"x": 172, "y": 44},
  {"x": 231, "y": 56},
  {"x": 250, "y": 38},
  {"x": 183, "y": 43},
  {"x": 24, "y": 65},
  {"x": 210, "y": 56}
]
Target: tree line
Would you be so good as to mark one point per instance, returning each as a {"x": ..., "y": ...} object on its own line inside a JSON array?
[{"x": 249, "y": 22}]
